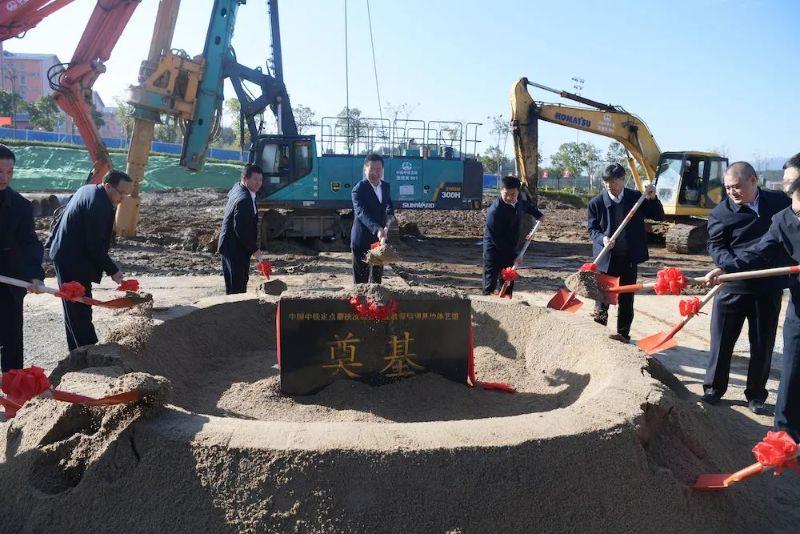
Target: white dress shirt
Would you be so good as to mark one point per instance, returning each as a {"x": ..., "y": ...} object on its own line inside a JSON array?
[
  {"x": 378, "y": 192},
  {"x": 253, "y": 196},
  {"x": 616, "y": 199}
]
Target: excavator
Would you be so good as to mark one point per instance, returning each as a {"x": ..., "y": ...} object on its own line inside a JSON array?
[
  {"x": 307, "y": 191},
  {"x": 688, "y": 183},
  {"x": 72, "y": 82}
]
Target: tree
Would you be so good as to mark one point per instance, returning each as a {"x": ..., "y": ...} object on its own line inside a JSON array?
[
  {"x": 567, "y": 158},
  {"x": 590, "y": 158},
  {"x": 494, "y": 160},
  {"x": 350, "y": 125},
  {"x": 44, "y": 113},
  {"x": 304, "y": 117},
  {"x": 168, "y": 131},
  {"x": 233, "y": 109},
  {"x": 617, "y": 153},
  {"x": 124, "y": 114},
  {"x": 10, "y": 103}
]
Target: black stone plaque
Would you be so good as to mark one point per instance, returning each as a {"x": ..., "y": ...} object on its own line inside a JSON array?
[{"x": 321, "y": 340}]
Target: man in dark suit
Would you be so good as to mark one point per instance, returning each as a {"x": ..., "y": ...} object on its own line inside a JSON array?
[
  {"x": 20, "y": 257},
  {"x": 79, "y": 248},
  {"x": 734, "y": 225},
  {"x": 238, "y": 239},
  {"x": 501, "y": 233},
  {"x": 606, "y": 212},
  {"x": 778, "y": 247},
  {"x": 372, "y": 207}
]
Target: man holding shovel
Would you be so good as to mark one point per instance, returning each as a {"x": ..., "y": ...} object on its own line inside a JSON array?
[
  {"x": 779, "y": 246},
  {"x": 734, "y": 225},
  {"x": 501, "y": 234},
  {"x": 20, "y": 257},
  {"x": 79, "y": 248},
  {"x": 606, "y": 212},
  {"x": 372, "y": 208}
]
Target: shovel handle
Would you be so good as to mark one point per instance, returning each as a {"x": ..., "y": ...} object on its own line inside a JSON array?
[
  {"x": 762, "y": 273},
  {"x": 518, "y": 260},
  {"x": 619, "y": 229},
  {"x": 26, "y": 285}
]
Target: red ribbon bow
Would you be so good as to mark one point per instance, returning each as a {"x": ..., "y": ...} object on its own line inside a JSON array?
[
  {"x": 71, "y": 291},
  {"x": 21, "y": 385},
  {"x": 129, "y": 285},
  {"x": 265, "y": 268},
  {"x": 509, "y": 274},
  {"x": 689, "y": 307},
  {"x": 375, "y": 245},
  {"x": 777, "y": 450},
  {"x": 371, "y": 310},
  {"x": 588, "y": 267},
  {"x": 670, "y": 281}
]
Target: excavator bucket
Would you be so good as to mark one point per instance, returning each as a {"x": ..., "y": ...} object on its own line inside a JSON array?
[{"x": 563, "y": 300}]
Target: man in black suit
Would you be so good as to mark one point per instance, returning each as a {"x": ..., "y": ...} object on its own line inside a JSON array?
[
  {"x": 238, "y": 239},
  {"x": 372, "y": 208},
  {"x": 20, "y": 257},
  {"x": 606, "y": 211},
  {"x": 501, "y": 233},
  {"x": 79, "y": 248},
  {"x": 734, "y": 225}
]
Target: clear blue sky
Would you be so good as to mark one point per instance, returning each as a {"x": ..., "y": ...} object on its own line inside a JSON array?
[{"x": 702, "y": 74}]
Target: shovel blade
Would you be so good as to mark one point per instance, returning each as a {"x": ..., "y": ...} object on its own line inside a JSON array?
[
  {"x": 606, "y": 281},
  {"x": 128, "y": 301},
  {"x": 657, "y": 343},
  {"x": 563, "y": 300},
  {"x": 712, "y": 482}
]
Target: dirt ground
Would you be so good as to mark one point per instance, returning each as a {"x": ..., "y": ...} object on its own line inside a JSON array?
[{"x": 258, "y": 462}]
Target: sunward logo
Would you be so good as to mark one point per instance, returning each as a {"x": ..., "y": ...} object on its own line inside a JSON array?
[{"x": 406, "y": 166}]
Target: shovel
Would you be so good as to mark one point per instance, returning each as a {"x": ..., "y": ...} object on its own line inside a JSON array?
[
  {"x": 665, "y": 340},
  {"x": 566, "y": 301},
  {"x": 128, "y": 301},
  {"x": 718, "y": 481},
  {"x": 518, "y": 260},
  {"x": 606, "y": 289}
]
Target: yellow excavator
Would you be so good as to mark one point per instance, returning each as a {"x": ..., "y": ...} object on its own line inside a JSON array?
[{"x": 689, "y": 183}]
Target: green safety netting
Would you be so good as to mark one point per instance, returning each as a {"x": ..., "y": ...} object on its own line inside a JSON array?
[{"x": 65, "y": 169}]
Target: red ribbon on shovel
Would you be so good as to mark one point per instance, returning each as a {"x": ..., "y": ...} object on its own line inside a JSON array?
[
  {"x": 22, "y": 385},
  {"x": 265, "y": 268}
]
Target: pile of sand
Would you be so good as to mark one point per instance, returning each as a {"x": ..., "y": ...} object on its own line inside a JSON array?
[{"x": 593, "y": 441}]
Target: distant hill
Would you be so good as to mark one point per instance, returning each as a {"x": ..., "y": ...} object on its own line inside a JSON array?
[{"x": 775, "y": 164}]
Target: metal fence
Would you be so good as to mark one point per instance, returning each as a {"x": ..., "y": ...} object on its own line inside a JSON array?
[{"x": 112, "y": 142}]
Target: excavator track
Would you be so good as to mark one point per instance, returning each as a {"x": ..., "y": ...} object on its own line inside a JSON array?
[{"x": 687, "y": 238}]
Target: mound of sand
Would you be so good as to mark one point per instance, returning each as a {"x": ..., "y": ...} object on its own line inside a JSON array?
[{"x": 593, "y": 441}]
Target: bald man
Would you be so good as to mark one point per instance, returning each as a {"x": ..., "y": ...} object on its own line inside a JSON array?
[{"x": 735, "y": 225}]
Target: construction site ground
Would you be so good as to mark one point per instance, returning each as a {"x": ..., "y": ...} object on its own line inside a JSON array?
[{"x": 172, "y": 258}]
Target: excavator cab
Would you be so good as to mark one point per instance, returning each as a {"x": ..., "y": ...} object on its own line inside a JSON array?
[
  {"x": 284, "y": 160},
  {"x": 690, "y": 183}
]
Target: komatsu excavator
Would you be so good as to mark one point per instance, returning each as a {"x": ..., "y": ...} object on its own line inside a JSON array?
[{"x": 688, "y": 183}]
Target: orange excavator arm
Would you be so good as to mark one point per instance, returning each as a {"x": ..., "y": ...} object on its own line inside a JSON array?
[
  {"x": 72, "y": 82},
  {"x": 18, "y": 17}
]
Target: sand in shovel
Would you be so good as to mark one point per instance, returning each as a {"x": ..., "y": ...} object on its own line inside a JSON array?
[
  {"x": 382, "y": 255},
  {"x": 585, "y": 284}
]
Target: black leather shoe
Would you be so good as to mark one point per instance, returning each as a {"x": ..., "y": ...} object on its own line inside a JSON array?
[
  {"x": 757, "y": 407},
  {"x": 620, "y": 338},
  {"x": 710, "y": 398}
]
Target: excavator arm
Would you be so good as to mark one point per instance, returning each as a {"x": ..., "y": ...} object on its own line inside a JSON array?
[
  {"x": 72, "y": 82},
  {"x": 605, "y": 120},
  {"x": 16, "y": 18}
]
